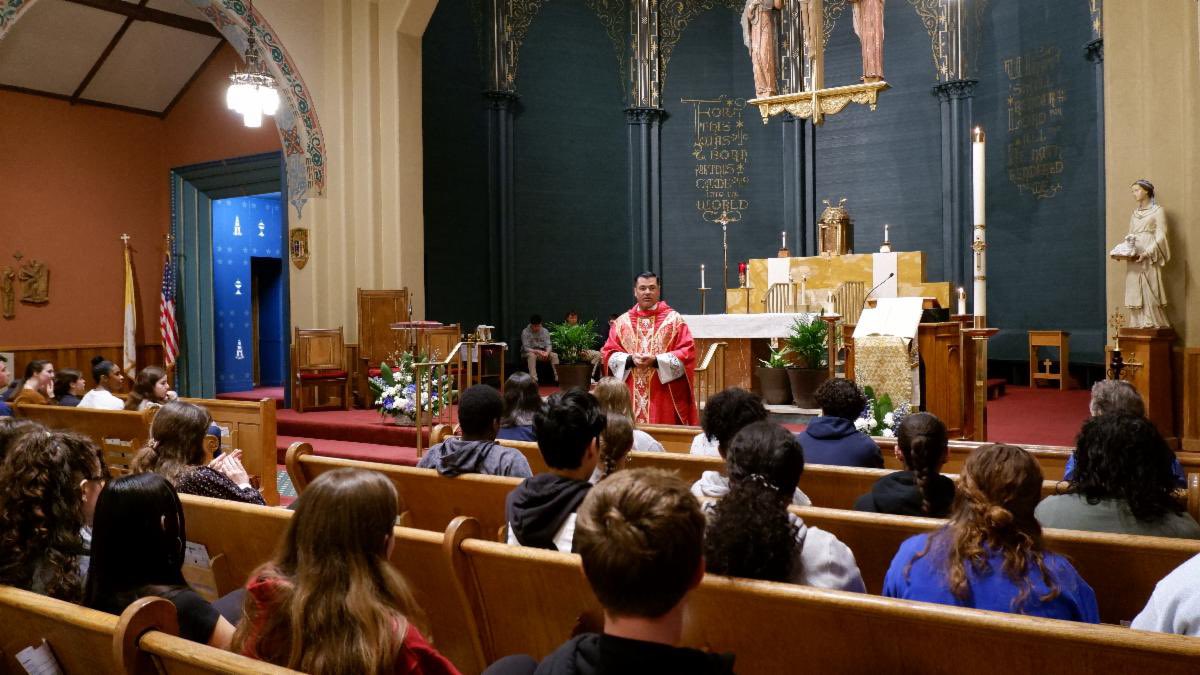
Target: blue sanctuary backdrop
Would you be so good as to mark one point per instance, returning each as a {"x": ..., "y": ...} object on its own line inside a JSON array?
[
  {"x": 247, "y": 251},
  {"x": 572, "y": 178}
]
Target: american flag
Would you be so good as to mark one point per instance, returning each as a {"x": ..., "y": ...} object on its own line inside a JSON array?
[{"x": 168, "y": 329}]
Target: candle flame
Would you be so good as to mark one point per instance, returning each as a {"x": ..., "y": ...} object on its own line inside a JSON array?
[{"x": 977, "y": 135}]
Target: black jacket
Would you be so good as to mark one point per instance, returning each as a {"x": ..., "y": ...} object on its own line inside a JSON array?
[
  {"x": 597, "y": 654},
  {"x": 897, "y": 493},
  {"x": 537, "y": 509}
]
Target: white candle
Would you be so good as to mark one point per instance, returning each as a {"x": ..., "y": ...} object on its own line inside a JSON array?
[
  {"x": 829, "y": 302},
  {"x": 783, "y": 235},
  {"x": 702, "y": 275},
  {"x": 962, "y": 301},
  {"x": 977, "y": 174},
  {"x": 885, "y": 234},
  {"x": 979, "y": 240}
]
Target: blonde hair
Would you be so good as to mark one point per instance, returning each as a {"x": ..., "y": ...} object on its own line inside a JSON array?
[
  {"x": 613, "y": 396},
  {"x": 615, "y": 443}
]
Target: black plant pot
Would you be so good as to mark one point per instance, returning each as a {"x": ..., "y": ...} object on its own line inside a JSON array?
[
  {"x": 574, "y": 376},
  {"x": 804, "y": 382},
  {"x": 773, "y": 383}
]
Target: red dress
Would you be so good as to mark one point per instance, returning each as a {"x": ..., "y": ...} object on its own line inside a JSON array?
[{"x": 662, "y": 332}]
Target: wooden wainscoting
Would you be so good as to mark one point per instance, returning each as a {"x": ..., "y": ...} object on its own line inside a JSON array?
[
  {"x": 1191, "y": 399},
  {"x": 79, "y": 357}
]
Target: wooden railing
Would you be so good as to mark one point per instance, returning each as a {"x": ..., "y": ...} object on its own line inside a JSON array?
[{"x": 710, "y": 374}]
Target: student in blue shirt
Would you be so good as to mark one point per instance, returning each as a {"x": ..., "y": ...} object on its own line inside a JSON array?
[{"x": 991, "y": 555}]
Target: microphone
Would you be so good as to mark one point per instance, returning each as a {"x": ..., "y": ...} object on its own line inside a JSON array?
[{"x": 885, "y": 280}]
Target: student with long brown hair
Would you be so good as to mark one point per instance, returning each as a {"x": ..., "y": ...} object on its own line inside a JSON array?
[
  {"x": 991, "y": 554},
  {"x": 921, "y": 489},
  {"x": 150, "y": 388},
  {"x": 613, "y": 396},
  {"x": 329, "y": 601},
  {"x": 38, "y": 385},
  {"x": 176, "y": 452}
]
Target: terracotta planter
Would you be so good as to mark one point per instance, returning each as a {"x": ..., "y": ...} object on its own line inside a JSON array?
[
  {"x": 804, "y": 382},
  {"x": 574, "y": 376},
  {"x": 774, "y": 384}
]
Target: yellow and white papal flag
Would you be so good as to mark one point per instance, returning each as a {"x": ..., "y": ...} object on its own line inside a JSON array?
[{"x": 129, "y": 351}]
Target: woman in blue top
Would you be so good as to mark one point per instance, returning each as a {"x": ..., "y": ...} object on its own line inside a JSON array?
[{"x": 990, "y": 555}]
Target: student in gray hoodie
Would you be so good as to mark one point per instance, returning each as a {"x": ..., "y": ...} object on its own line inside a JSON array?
[{"x": 479, "y": 411}]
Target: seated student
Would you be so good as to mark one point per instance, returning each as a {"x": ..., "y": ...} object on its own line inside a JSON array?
[
  {"x": 329, "y": 602},
  {"x": 11, "y": 429},
  {"x": 69, "y": 387},
  {"x": 1174, "y": 607},
  {"x": 919, "y": 490},
  {"x": 613, "y": 396},
  {"x": 5, "y": 409},
  {"x": 38, "y": 385},
  {"x": 725, "y": 414},
  {"x": 150, "y": 389},
  {"x": 990, "y": 555},
  {"x": 535, "y": 346},
  {"x": 521, "y": 402},
  {"x": 479, "y": 411},
  {"x": 1111, "y": 397},
  {"x": 832, "y": 438},
  {"x": 641, "y": 537},
  {"x": 615, "y": 444},
  {"x": 176, "y": 452},
  {"x": 51, "y": 480},
  {"x": 541, "y": 510},
  {"x": 109, "y": 378},
  {"x": 752, "y": 534},
  {"x": 138, "y": 549},
  {"x": 1122, "y": 483}
]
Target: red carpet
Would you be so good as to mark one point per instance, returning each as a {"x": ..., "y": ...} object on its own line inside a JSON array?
[
  {"x": 359, "y": 426},
  {"x": 364, "y": 452},
  {"x": 1040, "y": 416},
  {"x": 255, "y": 394}
]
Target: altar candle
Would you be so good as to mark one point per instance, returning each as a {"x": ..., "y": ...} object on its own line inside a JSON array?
[
  {"x": 977, "y": 174},
  {"x": 783, "y": 237},
  {"x": 962, "y": 301},
  {"x": 829, "y": 302},
  {"x": 885, "y": 234},
  {"x": 741, "y": 268},
  {"x": 979, "y": 240},
  {"x": 701, "y": 275}
]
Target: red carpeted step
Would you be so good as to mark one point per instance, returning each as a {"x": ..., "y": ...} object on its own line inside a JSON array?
[
  {"x": 255, "y": 395},
  {"x": 364, "y": 452},
  {"x": 358, "y": 426}
]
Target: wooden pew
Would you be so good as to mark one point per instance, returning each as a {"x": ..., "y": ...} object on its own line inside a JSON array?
[
  {"x": 252, "y": 428},
  {"x": 674, "y": 437},
  {"x": 1122, "y": 569},
  {"x": 428, "y": 501},
  {"x": 773, "y": 628},
  {"x": 245, "y": 536},
  {"x": 533, "y": 455},
  {"x": 119, "y": 433}
]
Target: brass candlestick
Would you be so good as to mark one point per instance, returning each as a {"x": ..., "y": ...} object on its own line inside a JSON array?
[{"x": 703, "y": 292}]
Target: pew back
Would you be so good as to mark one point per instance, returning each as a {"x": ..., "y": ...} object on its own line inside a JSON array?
[
  {"x": 674, "y": 437},
  {"x": 80, "y": 638},
  {"x": 533, "y": 455},
  {"x": 118, "y": 433},
  {"x": 251, "y": 426}
]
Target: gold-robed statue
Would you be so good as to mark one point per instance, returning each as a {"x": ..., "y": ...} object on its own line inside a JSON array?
[
  {"x": 1145, "y": 251},
  {"x": 760, "y": 33}
]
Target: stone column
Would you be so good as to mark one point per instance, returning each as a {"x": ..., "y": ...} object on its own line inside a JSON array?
[
  {"x": 644, "y": 118},
  {"x": 500, "y": 111},
  {"x": 956, "y": 115},
  {"x": 799, "y": 140}
]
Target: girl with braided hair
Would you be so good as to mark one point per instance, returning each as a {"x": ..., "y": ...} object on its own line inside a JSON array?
[
  {"x": 750, "y": 531},
  {"x": 991, "y": 555},
  {"x": 919, "y": 490}
]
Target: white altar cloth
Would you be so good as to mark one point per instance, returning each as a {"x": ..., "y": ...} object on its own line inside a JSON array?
[{"x": 767, "y": 325}]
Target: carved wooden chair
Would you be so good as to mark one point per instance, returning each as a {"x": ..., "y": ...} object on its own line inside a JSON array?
[
  {"x": 377, "y": 311},
  {"x": 319, "y": 361}
]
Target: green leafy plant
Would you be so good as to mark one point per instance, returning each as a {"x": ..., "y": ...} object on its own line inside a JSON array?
[
  {"x": 777, "y": 358},
  {"x": 807, "y": 343},
  {"x": 571, "y": 341}
]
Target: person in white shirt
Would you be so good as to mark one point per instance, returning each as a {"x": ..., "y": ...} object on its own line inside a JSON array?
[
  {"x": 1174, "y": 607},
  {"x": 109, "y": 378}
]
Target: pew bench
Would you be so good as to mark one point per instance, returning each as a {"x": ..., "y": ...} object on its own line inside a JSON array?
[{"x": 118, "y": 433}]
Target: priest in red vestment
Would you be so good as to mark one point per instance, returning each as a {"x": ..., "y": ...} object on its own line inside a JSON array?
[{"x": 650, "y": 348}]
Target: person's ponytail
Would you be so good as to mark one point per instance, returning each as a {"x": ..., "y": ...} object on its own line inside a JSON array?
[
  {"x": 922, "y": 441},
  {"x": 749, "y": 533}
]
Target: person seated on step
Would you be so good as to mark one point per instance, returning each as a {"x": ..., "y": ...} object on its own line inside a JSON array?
[
  {"x": 615, "y": 444},
  {"x": 176, "y": 452},
  {"x": 479, "y": 410},
  {"x": 991, "y": 554},
  {"x": 69, "y": 387},
  {"x": 750, "y": 532},
  {"x": 1174, "y": 607},
  {"x": 535, "y": 346},
  {"x": 613, "y": 396},
  {"x": 640, "y": 536},
  {"x": 1122, "y": 483},
  {"x": 1119, "y": 397},
  {"x": 51, "y": 480},
  {"x": 150, "y": 390},
  {"x": 832, "y": 438},
  {"x": 921, "y": 489},
  {"x": 726, "y": 413},
  {"x": 329, "y": 602},
  {"x": 138, "y": 550},
  {"x": 541, "y": 510},
  {"x": 109, "y": 379},
  {"x": 521, "y": 402}
]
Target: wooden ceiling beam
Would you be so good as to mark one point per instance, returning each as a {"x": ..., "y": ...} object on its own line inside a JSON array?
[
  {"x": 112, "y": 44},
  {"x": 139, "y": 13},
  {"x": 82, "y": 101}
]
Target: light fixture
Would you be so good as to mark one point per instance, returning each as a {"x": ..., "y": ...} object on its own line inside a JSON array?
[{"x": 252, "y": 92}]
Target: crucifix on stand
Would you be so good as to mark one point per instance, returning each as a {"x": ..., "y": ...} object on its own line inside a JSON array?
[{"x": 725, "y": 220}]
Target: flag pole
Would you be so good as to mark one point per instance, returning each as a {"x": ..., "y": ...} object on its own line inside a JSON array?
[{"x": 129, "y": 341}]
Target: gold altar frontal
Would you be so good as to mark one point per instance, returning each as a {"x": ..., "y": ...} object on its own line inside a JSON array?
[{"x": 825, "y": 274}]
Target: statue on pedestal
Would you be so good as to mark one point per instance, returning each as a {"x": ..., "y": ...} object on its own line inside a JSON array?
[
  {"x": 1145, "y": 252},
  {"x": 760, "y": 32},
  {"x": 868, "y": 26}
]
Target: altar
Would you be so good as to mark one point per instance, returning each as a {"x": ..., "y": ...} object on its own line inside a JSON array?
[{"x": 747, "y": 338}]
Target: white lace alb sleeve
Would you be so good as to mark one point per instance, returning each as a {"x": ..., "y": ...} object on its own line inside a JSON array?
[
  {"x": 669, "y": 367},
  {"x": 616, "y": 364}
]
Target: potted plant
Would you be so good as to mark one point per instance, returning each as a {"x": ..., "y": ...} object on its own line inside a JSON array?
[
  {"x": 810, "y": 356},
  {"x": 773, "y": 377},
  {"x": 570, "y": 342}
]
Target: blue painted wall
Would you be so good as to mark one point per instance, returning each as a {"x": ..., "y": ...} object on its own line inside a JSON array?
[{"x": 244, "y": 229}]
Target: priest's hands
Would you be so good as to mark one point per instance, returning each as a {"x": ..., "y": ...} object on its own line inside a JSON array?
[{"x": 645, "y": 361}]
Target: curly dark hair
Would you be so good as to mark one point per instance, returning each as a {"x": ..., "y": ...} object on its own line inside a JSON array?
[
  {"x": 1124, "y": 457},
  {"x": 727, "y": 412},
  {"x": 12, "y": 428},
  {"x": 839, "y": 397},
  {"x": 41, "y": 511},
  {"x": 749, "y": 532}
]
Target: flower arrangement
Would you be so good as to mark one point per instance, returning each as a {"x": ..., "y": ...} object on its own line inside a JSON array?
[
  {"x": 396, "y": 392},
  {"x": 881, "y": 417}
]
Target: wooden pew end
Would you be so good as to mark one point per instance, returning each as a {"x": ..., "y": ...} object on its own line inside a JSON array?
[
  {"x": 141, "y": 617},
  {"x": 294, "y": 452}
]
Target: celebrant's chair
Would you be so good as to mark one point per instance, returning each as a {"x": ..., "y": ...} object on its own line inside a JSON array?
[
  {"x": 319, "y": 361},
  {"x": 377, "y": 311}
]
